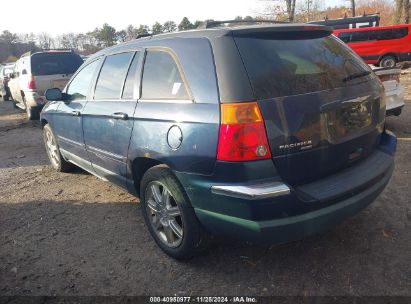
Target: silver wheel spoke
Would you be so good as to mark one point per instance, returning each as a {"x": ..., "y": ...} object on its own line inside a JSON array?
[
  {"x": 156, "y": 193},
  {"x": 169, "y": 234},
  {"x": 156, "y": 222},
  {"x": 173, "y": 211},
  {"x": 175, "y": 227},
  {"x": 165, "y": 197},
  {"x": 152, "y": 205}
]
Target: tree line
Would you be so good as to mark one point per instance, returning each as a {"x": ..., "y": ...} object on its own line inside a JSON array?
[{"x": 12, "y": 46}]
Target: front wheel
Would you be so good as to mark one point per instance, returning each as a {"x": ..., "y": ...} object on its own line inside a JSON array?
[
  {"x": 388, "y": 61},
  {"x": 56, "y": 159},
  {"x": 169, "y": 216}
]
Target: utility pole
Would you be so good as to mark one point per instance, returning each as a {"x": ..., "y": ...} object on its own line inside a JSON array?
[
  {"x": 353, "y": 7},
  {"x": 309, "y": 2}
]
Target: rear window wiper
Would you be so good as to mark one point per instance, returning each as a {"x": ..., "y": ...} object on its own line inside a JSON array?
[{"x": 357, "y": 75}]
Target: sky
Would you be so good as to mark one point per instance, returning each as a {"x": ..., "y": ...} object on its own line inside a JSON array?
[{"x": 57, "y": 16}]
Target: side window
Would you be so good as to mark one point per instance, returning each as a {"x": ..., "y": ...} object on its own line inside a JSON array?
[
  {"x": 344, "y": 37},
  {"x": 131, "y": 78},
  {"x": 112, "y": 76},
  {"x": 161, "y": 77},
  {"x": 80, "y": 85},
  {"x": 359, "y": 36},
  {"x": 400, "y": 32}
]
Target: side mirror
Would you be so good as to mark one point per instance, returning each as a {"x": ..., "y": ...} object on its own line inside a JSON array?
[
  {"x": 54, "y": 94},
  {"x": 11, "y": 75},
  {"x": 24, "y": 72}
]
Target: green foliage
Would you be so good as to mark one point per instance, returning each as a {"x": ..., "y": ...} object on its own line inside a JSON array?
[
  {"x": 157, "y": 28},
  {"x": 185, "y": 25},
  {"x": 169, "y": 26}
]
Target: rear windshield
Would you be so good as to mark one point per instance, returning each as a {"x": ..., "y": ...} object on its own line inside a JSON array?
[
  {"x": 284, "y": 67},
  {"x": 55, "y": 63}
]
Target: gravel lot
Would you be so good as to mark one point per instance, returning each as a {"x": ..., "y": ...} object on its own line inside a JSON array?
[{"x": 73, "y": 234}]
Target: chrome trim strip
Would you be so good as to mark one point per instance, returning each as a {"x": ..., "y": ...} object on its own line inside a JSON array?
[
  {"x": 167, "y": 100},
  {"x": 252, "y": 192},
  {"x": 69, "y": 141}
]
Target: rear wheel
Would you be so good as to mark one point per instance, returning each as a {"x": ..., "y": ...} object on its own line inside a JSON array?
[
  {"x": 8, "y": 95},
  {"x": 32, "y": 113},
  {"x": 388, "y": 61},
  {"x": 169, "y": 215},
  {"x": 56, "y": 159}
]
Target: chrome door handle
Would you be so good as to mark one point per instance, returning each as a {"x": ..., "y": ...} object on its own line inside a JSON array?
[
  {"x": 75, "y": 113},
  {"x": 119, "y": 115}
]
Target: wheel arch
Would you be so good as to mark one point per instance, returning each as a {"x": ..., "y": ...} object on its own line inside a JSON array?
[
  {"x": 43, "y": 122},
  {"x": 139, "y": 167}
]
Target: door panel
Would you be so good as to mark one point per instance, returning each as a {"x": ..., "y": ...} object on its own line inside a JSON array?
[
  {"x": 69, "y": 124},
  {"x": 107, "y": 129},
  {"x": 108, "y": 119}
]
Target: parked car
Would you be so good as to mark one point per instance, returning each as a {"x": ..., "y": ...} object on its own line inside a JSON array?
[
  {"x": 384, "y": 46},
  {"x": 261, "y": 133},
  {"x": 5, "y": 72},
  {"x": 36, "y": 72},
  {"x": 394, "y": 91}
]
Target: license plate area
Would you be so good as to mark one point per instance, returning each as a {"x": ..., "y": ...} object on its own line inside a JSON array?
[{"x": 349, "y": 119}]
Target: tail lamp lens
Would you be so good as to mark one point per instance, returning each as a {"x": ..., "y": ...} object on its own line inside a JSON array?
[
  {"x": 242, "y": 133},
  {"x": 32, "y": 84}
]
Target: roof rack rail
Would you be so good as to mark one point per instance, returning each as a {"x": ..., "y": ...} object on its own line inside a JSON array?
[
  {"x": 144, "y": 35},
  {"x": 56, "y": 49},
  {"x": 213, "y": 23}
]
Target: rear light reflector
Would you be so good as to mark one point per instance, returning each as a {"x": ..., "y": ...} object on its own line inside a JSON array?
[
  {"x": 32, "y": 83},
  {"x": 242, "y": 133}
]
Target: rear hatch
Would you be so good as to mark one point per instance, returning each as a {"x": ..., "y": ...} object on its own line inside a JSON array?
[
  {"x": 53, "y": 69},
  {"x": 322, "y": 106}
]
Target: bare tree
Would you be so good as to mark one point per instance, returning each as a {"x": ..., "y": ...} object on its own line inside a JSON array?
[
  {"x": 281, "y": 9},
  {"x": 402, "y": 11}
]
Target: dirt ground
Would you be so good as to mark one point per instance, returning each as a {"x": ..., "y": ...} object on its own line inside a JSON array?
[{"x": 73, "y": 234}]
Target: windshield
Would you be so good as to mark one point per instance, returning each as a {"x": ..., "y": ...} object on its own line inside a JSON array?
[
  {"x": 55, "y": 63},
  {"x": 284, "y": 67}
]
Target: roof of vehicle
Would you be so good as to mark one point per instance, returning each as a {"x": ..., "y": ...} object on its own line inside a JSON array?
[
  {"x": 216, "y": 32},
  {"x": 53, "y": 51},
  {"x": 373, "y": 28}
]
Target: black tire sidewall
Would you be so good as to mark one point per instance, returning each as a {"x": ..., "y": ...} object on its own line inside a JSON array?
[
  {"x": 193, "y": 233},
  {"x": 387, "y": 58}
]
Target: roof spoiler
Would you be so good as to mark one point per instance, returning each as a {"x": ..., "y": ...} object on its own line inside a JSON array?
[
  {"x": 214, "y": 23},
  {"x": 301, "y": 29}
]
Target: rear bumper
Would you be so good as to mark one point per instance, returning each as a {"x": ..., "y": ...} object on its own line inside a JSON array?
[
  {"x": 281, "y": 216},
  {"x": 294, "y": 227},
  {"x": 394, "y": 99},
  {"x": 34, "y": 100}
]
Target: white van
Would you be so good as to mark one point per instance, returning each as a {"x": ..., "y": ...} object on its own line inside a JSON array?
[{"x": 34, "y": 73}]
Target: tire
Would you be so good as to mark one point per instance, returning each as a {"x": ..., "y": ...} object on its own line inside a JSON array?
[
  {"x": 172, "y": 222},
  {"x": 53, "y": 152},
  {"x": 388, "y": 61},
  {"x": 8, "y": 95},
  {"x": 32, "y": 113}
]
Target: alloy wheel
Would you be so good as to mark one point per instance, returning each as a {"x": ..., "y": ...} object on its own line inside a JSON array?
[
  {"x": 52, "y": 150},
  {"x": 164, "y": 214}
]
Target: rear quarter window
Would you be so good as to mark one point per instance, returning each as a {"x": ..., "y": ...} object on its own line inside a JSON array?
[
  {"x": 55, "y": 63},
  {"x": 162, "y": 78}
]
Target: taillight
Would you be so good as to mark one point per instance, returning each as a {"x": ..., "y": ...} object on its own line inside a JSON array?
[
  {"x": 389, "y": 77},
  {"x": 242, "y": 133},
  {"x": 32, "y": 83}
]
